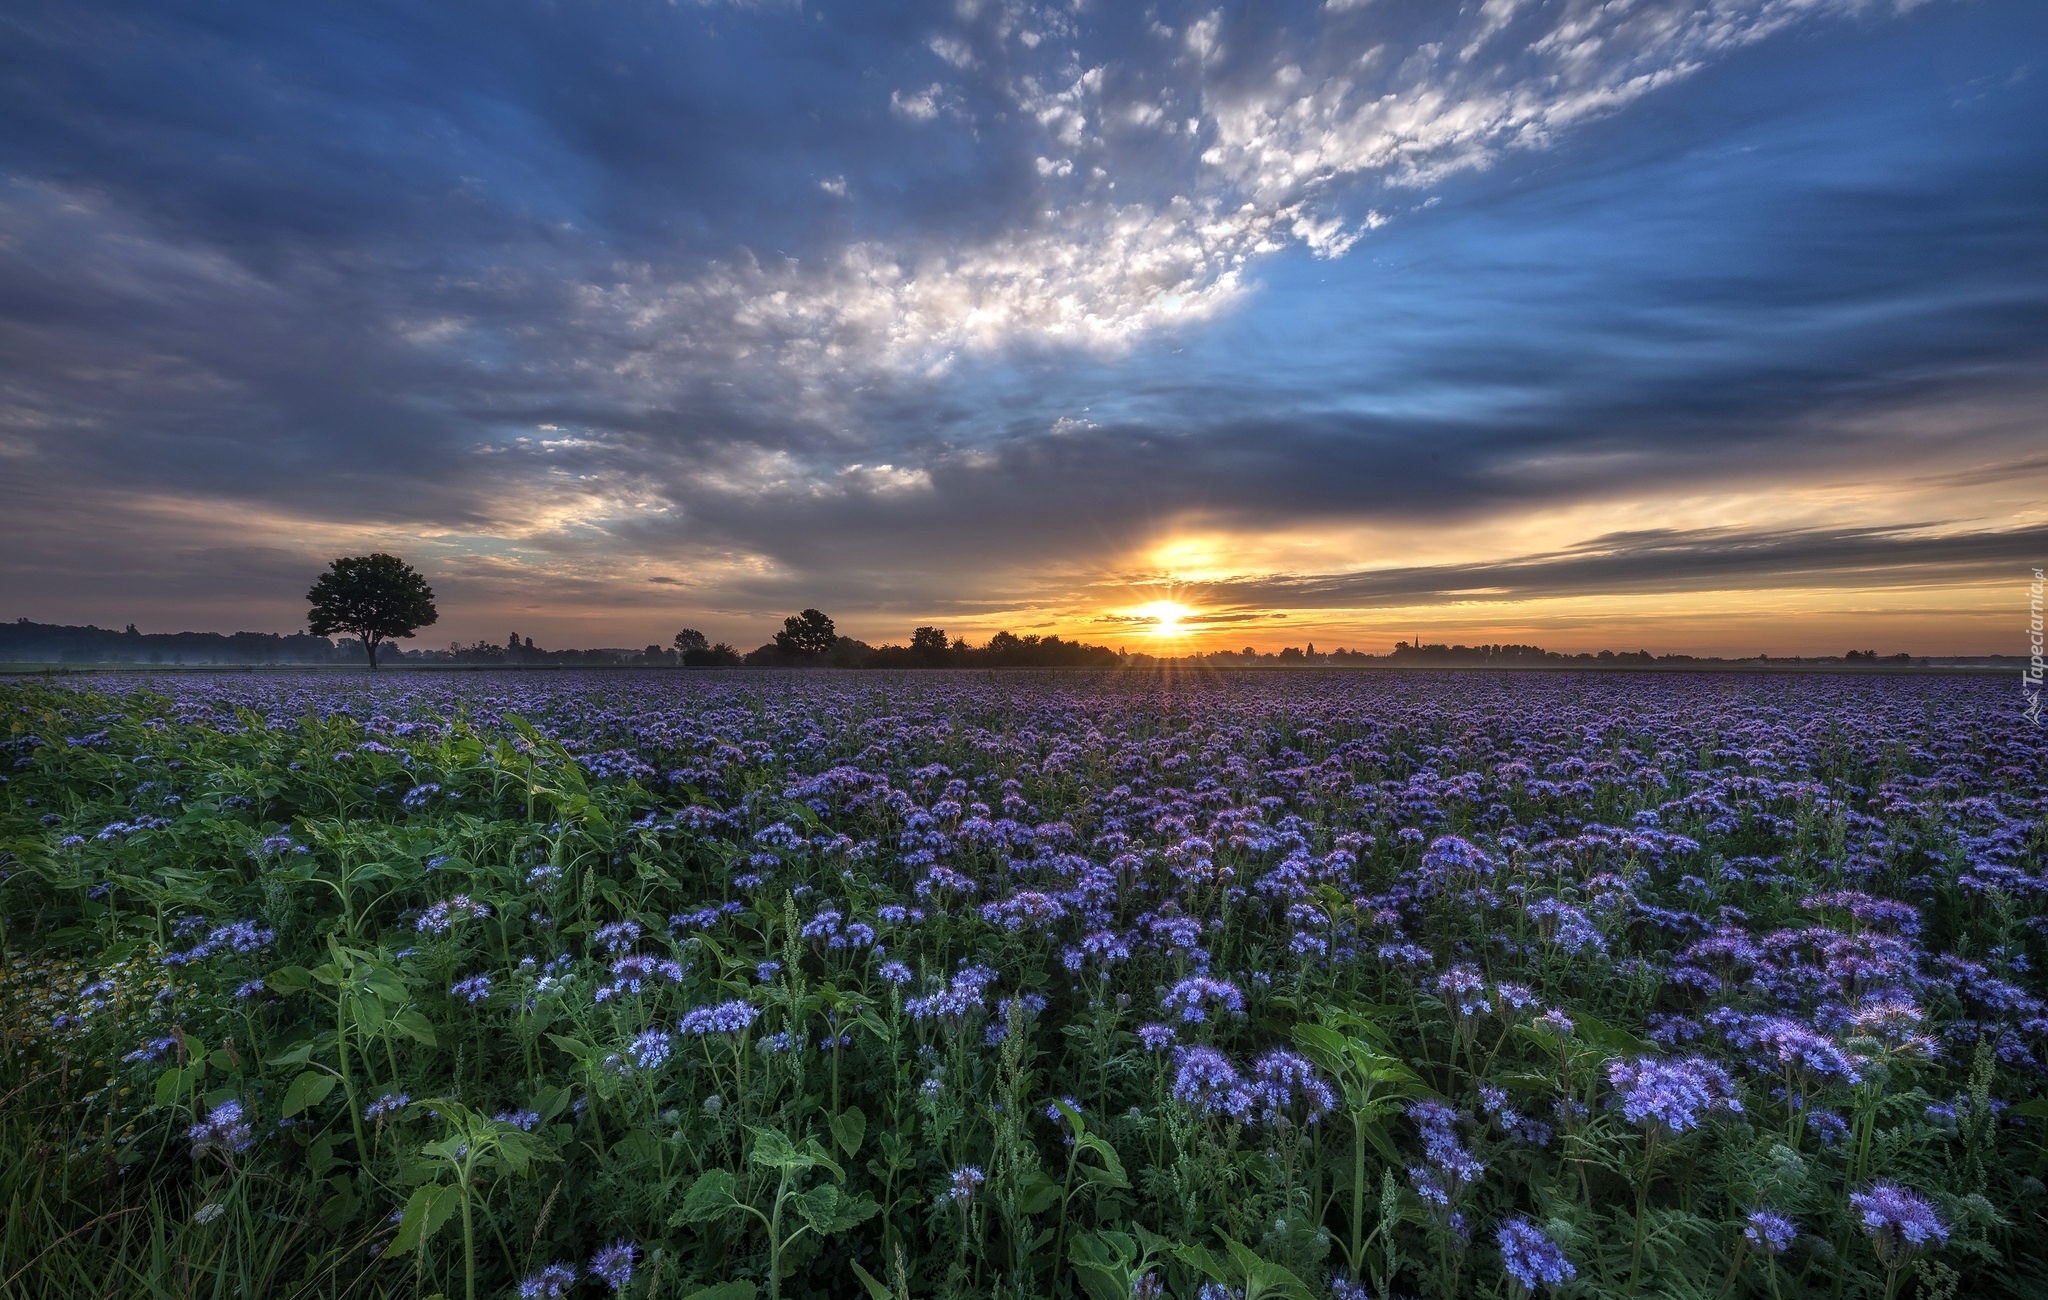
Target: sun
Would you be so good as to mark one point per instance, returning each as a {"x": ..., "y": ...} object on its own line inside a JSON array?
[{"x": 1166, "y": 616}]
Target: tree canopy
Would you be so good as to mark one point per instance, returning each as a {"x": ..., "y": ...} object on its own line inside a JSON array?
[
  {"x": 809, "y": 634},
  {"x": 372, "y": 598}
]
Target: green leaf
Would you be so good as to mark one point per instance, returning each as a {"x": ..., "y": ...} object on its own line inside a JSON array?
[
  {"x": 320, "y": 1155},
  {"x": 829, "y": 1210},
  {"x": 447, "y": 1200},
  {"x": 551, "y": 1101},
  {"x": 1263, "y": 1277},
  {"x": 875, "y": 1289},
  {"x": 710, "y": 1197},
  {"x": 724, "y": 1291},
  {"x": 1104, "y": 1281},
  {"x": 1039, "y": 1194},
  {"x": 297, "y": 1054},
  {"x": 309, "y": 1089},
  {"x": 369, "y": 1012},
  {"x": 1204, "y": 1261},
  {"x": 1111, "y": 1174},
  {"x": 170, "y": 1085},
  {"x": 849, "y": 1126},
  {"x": 424, "y": 1214},
  {"x": 1105, "y": 1262},
  {"x": 575, "y": 1047},
  {"x": 1072, "y": 1116},
  {"x": 773, "y": 1150},
  {"x": 518, "y": 1151},
  {"x": 340, "y": 1207},
  {"x": 289, "y": 979},
  {"x": 1323, "y": 1045},
  {"x": 1376, "y": 1133},
  {"x": 413, "y": 1023}
]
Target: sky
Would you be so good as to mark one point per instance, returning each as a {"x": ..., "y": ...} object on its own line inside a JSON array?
[{"x": 1704, "y": 327}]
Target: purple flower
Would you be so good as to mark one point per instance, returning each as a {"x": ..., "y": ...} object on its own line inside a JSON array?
[
  {"x": 472, "y": 990},
  {"x": 650, "y": 1049},
  {"x": 1452, "y": 1167},
  {"x": 1672, "y": 1094},
  {"x": 961, "y": 997},
  {"x": 613, "y": 1265},
  {"x": 238, "y": 936},
  {"x": 152, "y": 1050},
  {"x": 1770, "y": 1231},
  {"x": 1195, "y": 996},
  {"x": 1557, "y": 1022},
  {"x": 1532, "y": 1259},
  {"x": 224, "y": 1129},
  {"x": 724, "y": 1018},
  {"x": 960, "y": 1188},
  {"x": 389, "y": 1103},
  {"x": 1464, "y": 988},
  {"x": 1205, "y": 1079},
  {"x": 442, "y": 916},
  {"x": 1827, "y": 1125},
  {"x": 895, "y": 972},
  {"x": 553, "y": 1281},
  {"x": 1280, "y": 1077},
  {"x": 1155, "y": 1037},
  {"x": 1806, "y": 1051},
  {"x": 1896, "y": 1219},
  {"x": 632, "y": 974}
]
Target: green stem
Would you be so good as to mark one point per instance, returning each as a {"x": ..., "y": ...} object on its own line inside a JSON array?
[
  {"x": 348, "y": 1085},
  {"x": 1357, "y": 1192},
  {"x": 1635, "y": 1268},
  {"x": 468, "y": 1243}
]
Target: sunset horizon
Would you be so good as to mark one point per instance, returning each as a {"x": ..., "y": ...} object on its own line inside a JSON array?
[{"x": 1713, "y": 332}]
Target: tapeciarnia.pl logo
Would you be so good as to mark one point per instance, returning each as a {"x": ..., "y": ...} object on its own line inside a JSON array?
[{"x": 2030, "y": 676}]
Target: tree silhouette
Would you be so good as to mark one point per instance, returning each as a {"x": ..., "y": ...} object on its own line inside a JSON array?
[
  {"x": 372, "y": 598},
  {"x": 929, "y": 645},
  {"x": 691, "y": 639},
  {"x": 808, "y": 634}
]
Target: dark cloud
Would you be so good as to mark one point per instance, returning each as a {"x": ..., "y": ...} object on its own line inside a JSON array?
[{"x": 1668, "y": 561}]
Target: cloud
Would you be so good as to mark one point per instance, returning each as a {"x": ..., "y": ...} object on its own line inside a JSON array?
[
  {"x": 648, "y": 307},
  {"x": 1278, "y": 138},
  {"x": 1666, "y": 561}
]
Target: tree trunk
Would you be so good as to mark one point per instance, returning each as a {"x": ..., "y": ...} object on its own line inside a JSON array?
[{"x": 370, "y": 648}]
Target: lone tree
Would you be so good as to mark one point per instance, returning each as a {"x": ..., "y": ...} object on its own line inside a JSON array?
[
  {"x": 372, "y": 598},
  {"x": 691, "y": 639},
  {"x": 929, "y": 645},
  {"x": 808, "y": 634}
]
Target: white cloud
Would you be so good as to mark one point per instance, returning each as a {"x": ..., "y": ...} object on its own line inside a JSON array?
[
  {"x": 1264, "y": 161},
  {"x": 956, "y": 52},
  {"x": 918, "y": 105}
]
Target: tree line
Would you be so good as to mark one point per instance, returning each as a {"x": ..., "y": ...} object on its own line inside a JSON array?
[{"x": 376, "y": 599}]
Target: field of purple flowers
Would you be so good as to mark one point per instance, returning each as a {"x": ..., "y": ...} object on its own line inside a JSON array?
[{"x": 1108, "y": 986}]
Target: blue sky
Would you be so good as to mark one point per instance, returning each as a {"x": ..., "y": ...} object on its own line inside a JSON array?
[{"x": 1674, "y": 325}]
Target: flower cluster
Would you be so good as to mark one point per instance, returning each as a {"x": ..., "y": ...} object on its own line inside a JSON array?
[{"x": 1674, "y": 1095}]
